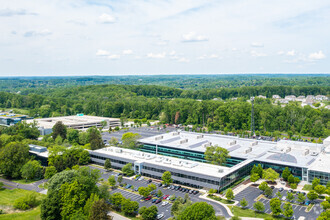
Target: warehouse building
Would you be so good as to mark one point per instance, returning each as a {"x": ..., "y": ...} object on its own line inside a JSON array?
[
  {"x": 8, "y": 118},
  {"x": 79, "y": 121}
]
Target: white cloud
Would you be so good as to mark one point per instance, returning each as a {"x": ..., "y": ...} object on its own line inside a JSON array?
[
  {"x": 257, "y": 44},
  {"x": 156, "y": 55},
  {"x": 214, "y": 56},
  {"x": 193, "y": 37},
  {"x": 114, "y": 57},
  {"x": 281, "y": 52},
  {"x": 202, "y": 57},
  {"x": 106, "y": 19},
  {"x": 102, "y": 53},
  {"x": 43, "y": 32},
  {"x": 316, "y": 56},
  {"x": 183, "y": 60},
  {"x": 172, "y": 53},
  {"x": 291, "y": 53},
  {"x": 257, "y": 54},
  {"x": 127, "y": 52}
]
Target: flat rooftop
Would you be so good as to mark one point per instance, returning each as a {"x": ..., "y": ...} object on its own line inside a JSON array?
[
  {"x": 322, "y": 163},
  {"x": 293, "y": 153},
  {"x": 11, "y": 115},
  {"x": 73, "y": 120},
  {"x": 175, "y": 163}
]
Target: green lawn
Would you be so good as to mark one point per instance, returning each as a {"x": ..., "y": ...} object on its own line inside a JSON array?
[
  {"x": 307, "y": 187},
  {"x": 24, "y": 181},
  {"x": 130, "y": 217},
  {"x": 8, "y": 196},
  {"x": 224, "y": 201},
  {"x": 237, "y": 211},
  {"x": 33, "y": 214}
]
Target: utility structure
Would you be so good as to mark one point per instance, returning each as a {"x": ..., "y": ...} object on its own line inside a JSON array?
[{"x": 252, "y": 117}]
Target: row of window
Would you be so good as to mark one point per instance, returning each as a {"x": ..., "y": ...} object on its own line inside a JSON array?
[
  {"x": 112, "y": 160},
  {"x": 213, "y": 182}
]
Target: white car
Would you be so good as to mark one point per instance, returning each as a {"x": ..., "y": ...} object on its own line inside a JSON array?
[
  {"x": 284, "y": 198},
  {"x": 159, "y": 216},
  {"x": 164, "y": 203}
]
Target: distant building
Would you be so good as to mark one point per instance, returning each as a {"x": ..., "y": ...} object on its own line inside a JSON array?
[
  {"x": 290, "y": 97},
  {"x": 40, "y": 153},
  {"x": 301, "y": 98},
  {"x": 283, "y": 101},
  {"x": 276, "y": 97},
  {"x": 321, "y": 98},
  {"x": 7, "y": 118},
  {"x": 261, "y": 97},
  {"x": 79, "y": 122}
]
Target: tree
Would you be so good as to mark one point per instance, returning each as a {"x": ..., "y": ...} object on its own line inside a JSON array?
[
  {"x": 73, "y": 136},
  {"x": 263, "y": 186},
  {"x": 59, "y": 129},
  {"x": 127, "y": 169},
  {"x": 104, "y": 191},
  {"x": 268, "y": 192},
  {"x": 290, "y": 178},
  {"x": 275, "y": 206},
  {"x": 107, "y": 164},
  {"x": 148, "y": 213},
  {"x": 116, "y": 200},
  {"x": 254, "y": 177},
  {"x": 270, "y": 175},
  {"x": 129, "y": 140},
  {"x": 230, "y": 194},
  {"x": 312, "y": 195},
  {"x": 32, "y": 170},
  {"x": 315, "y": 182},
  {"x": 216, "y": 155},
  {"x": 258, "y": 170},
  {"x": 144, "y": 191},
  {"x": 288, "y": 211},
  {"x": 244, "y": 203},
  {"x": 100, "y": 211},
  {"x": 286, "y": 172},
  {"x": 167, "y": 178},
  {"x": 319, "y": 189},
  {"x": 1, "y": 185},
  {"x": 198, "y": 211},
  {"x": 259, "y": 206},
  {"x": 279, "y": 195},
  {"x": 130, "y": 207},
  {"x": 50, "y": 171},
  {"x": 120, "y": 179},
  {"x": 112, "y": 181},
  {"x": 95, "y": 138},
  {"x": 301, "y": 198},
  {"x": 325, "y": 205},
  {"x": 324, "y": 215},
  {"x": 89, "y": 203},
  {"x": 290, "y": 196},
  {"x": 12, "y": 158},
  {"x": 113, "y": 141},
  {"x": 160, "y": 193},
  {"x": 212, "y": 191}
]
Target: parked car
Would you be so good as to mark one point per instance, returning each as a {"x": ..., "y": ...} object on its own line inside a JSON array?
[
  {"x": 165, "y": 197},
  {"x": 154, "y": 200},
  {"x": 272, "y": 187},
  {"x": 159, "y": 216},
  {"x": 191, "y": 191},
  {"x": 290, "y": 191},
  {"x": 280, "y": 189},
  {"x": 158, "y": 201},
  {"x": 137, "y": 178},
  {"x": 148, "y": 198},
  {"x": 307, "y": 202},
  {"x": 149, "y": 180},
  {"x": 128, "y": 186},
  {"x": 164, "y": 203},
  {"x": 160, "y": 185},
  {"x": 283, "y": 198}
]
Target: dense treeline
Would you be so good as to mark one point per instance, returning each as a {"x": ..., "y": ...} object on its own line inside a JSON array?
[
  {"x": 196, "y": 82},
  {"x": 181, "y": 107}
]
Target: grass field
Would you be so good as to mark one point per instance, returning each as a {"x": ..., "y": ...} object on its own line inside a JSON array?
[
  {"x": 24, "y": 181},
  {"x": 224, "y": 201},
  {"x": 33, "y": 214},
  {"x": 7, "y": 198},
  {"x": 237, "y": 211},
  {"x": 307, "y": 187}
]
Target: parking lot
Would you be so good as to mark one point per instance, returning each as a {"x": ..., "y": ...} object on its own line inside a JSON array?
[
  {"x": 251, "y": 194},
  {"x": 143, "y": 131}
]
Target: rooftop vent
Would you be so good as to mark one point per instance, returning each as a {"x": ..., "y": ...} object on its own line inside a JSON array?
[
  {"x": 231, "y": 143},
  {"x": 183, "y": 141},
  {"x": 200, "y": 136},
  {"x": 314, "y": 153},
  {"x": 306, "y": 152},
  {"x": 248, "y": 150},
  {"x": 254, "y": 143},
  {"x": 208, "y": 144},
  {"x": 220, "y": 170},
  {"x": 159, "y": 138},
  {"x": 288, "y": 149},
  {"x": 119, "y": 151},
  {"x": 167, "y": 161},
  {"x": 175, "y": 133}
]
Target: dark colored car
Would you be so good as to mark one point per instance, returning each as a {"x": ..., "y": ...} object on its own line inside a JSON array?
[
  {"x": 280, "y": 189},
  {"x": 272, "y": 187},
  {"x": 154, "y": 200},
  {"x": 160, "y": 185},
  {"x": 158, "y": 201},
  {"x": 149, "y": 180}
]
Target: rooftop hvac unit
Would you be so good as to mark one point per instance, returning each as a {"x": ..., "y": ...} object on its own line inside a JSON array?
[
  {"x": 220, "y": 170},
  {"x": 183, "y": 141},
  {"x": 314, "y": 153},
  {"x": 208, "y": 144},
  {"x": 248, "y": 150},
  {"x": 119, "y": 151},
  {"x": 175, "y": 133},
  {"x": 288, "y": 149},
  {"x": 306, "y": 152},
  {"x": 231, "y": 143},
  {"x": 177, "y": 163},
  {"x": 254, "y": 143},
  {"x": 158, "y": 138},
  {"x": 167, "y": 161},
  {"x": 200, "y": 136}
]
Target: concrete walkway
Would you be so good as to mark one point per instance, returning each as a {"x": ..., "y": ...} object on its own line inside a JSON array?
[{"x": 118, "y": 217}]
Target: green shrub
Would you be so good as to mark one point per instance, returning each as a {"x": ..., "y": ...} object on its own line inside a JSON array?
[{"x": 26, "y": 202}]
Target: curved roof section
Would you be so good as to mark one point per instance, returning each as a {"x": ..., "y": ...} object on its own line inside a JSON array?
[{"x": 283, "y": 157}]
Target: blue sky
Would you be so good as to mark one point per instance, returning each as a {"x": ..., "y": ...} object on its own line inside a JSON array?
[{"x": 87, "y": 37}]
